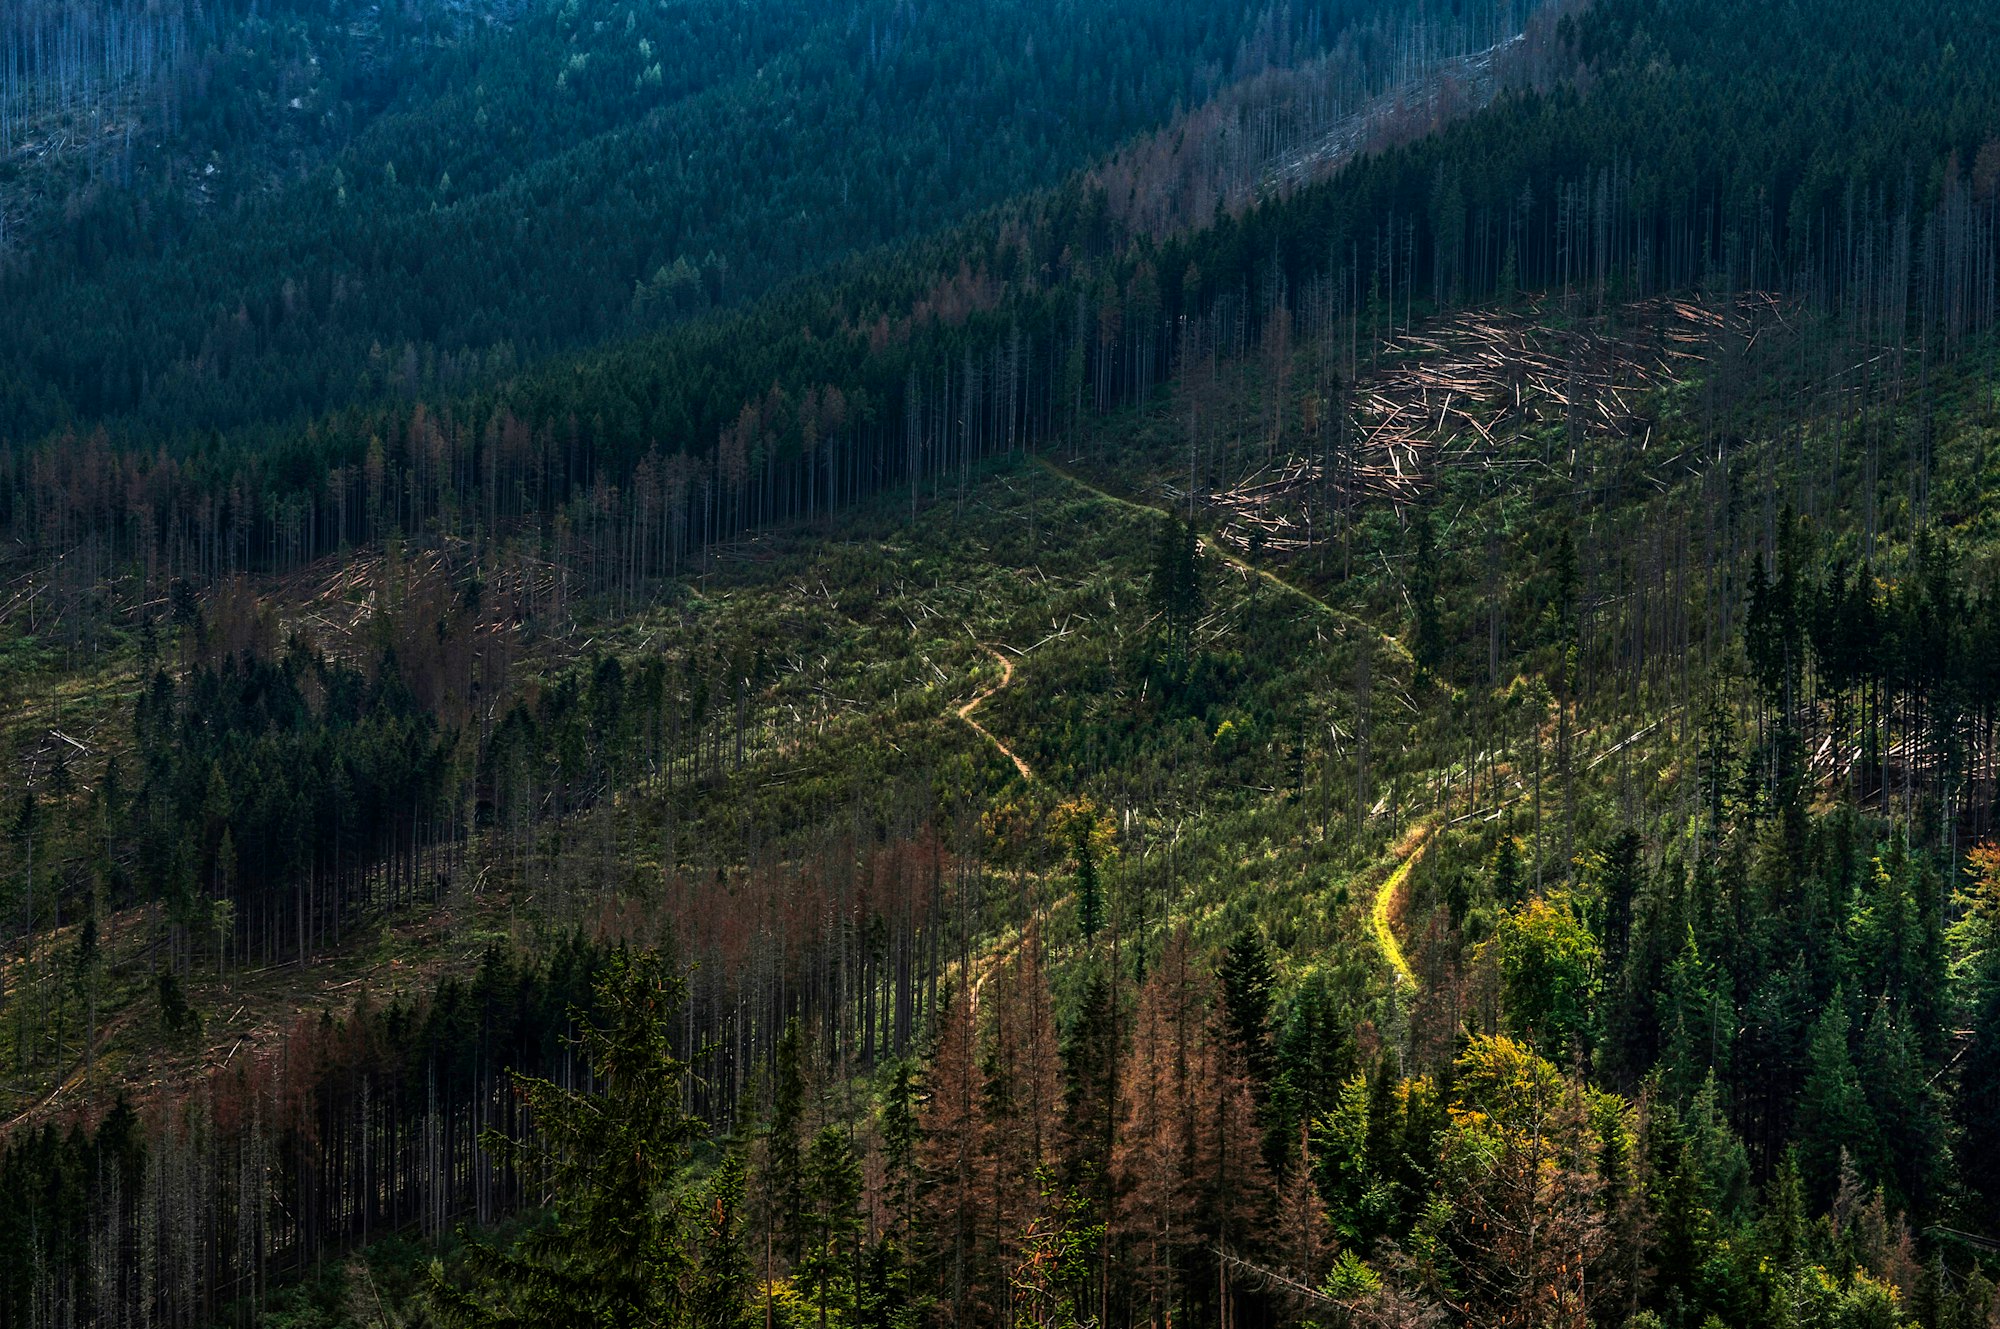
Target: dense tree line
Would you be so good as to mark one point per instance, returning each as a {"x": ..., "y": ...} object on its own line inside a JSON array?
[
  {"x": 627, "y": 464},
  {"x": 355, "y": 1128},
  {"x": 562, "y": 175},
  {"x": 1205, "y": 1137}
]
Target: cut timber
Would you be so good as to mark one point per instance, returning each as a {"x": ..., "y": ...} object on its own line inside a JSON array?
[{"x": 1461, "y": 390}]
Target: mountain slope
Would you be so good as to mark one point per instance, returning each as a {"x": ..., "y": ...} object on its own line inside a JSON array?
[{"x": 1486, "y": 820}]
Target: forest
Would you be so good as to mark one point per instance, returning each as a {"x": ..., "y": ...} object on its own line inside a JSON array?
[{"x": 983, "y": 665}]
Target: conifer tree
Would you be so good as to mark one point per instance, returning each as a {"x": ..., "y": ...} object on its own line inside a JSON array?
[
  {"x": 1978, "y": 1098},
  {"x": 1506, "y": 871},
  {"x": 617, "y": 1252},
  {"x": 720, "y": 1295},
  {"x": 1092, "y": 1064},
  {"x": 785, "y": 1147},
  {"x": 1427, "y": 643},
  {"x": 1089, "y": 886},
  {"x": 1833, "y": 1123},
  {"x": 1247, "y": 986},
  {"x": 1176, "y": 593},
  {"x": 1022, "y": 1102},
  {"x": 828, "y": 1265},
  {"x": 955, "y": 1177},
  {"x": 1622, "y": 874}
]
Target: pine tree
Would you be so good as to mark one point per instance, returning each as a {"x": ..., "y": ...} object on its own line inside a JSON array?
[
  {"x": 828, "y": 1265},
  {"x": 617, "y": 1252},
  {"x": 1247, "y": 986},
  {"x": 1833, "y": 1121},
  {"x": 1427, "y": 644},
  {"x": 785, "y": 1152},
  {"x": 1978, "y": 1098}
]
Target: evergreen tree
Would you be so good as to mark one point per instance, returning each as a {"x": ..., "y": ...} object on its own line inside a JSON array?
[
  {"x": 1505, "y": 872},
  {"x": 1247, "y": 986},
  {"x": 720, "y": 1296},
  {"x": 617, "y": 1252},
  {"x": 1622, "y": 877},
  {"x": 1089, "y": 887},
  {"x": 1910, "y": 1133},
  {"x": 1783, "y": 1223},
  {"x": 829, "y": 1263},
  {"x": 1176, "y": 594},
  {"x": 1315, "y": 1051},
  {"x": 1684, "y": 1233},
  {"x": 1833, "y": 1122},
  {"x": 1427, "y": 642},
  {"x": 785, "y": 1147},
  {"x": 888, "y": 1295},
  {"x": 1092, "y": 1055},
  {"x": 1978, "y": 1099}
]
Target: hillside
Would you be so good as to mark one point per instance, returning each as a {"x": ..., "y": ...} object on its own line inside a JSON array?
[
  {"x": 334, "y": 206},
  {"x": 1414, "y": 747}
]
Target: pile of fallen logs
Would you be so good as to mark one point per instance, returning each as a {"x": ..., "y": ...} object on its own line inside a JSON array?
[{"x": 1465, "y": 389}]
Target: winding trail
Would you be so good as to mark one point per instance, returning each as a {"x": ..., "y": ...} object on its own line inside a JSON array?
[
  {"x": 1242, "y": 565},
  {"x": 1413, "y": 846},
  {"x": 1385, "y": 905},
  {"x": 965, "y": 714},
  {"x": 1006, "y": 950}
]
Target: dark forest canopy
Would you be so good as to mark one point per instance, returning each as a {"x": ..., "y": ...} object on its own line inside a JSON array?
[
  {"x": 354, "y": 204},
  {"x": 1689, "y": 146}
]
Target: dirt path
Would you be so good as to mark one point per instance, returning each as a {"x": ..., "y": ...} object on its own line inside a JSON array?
[
  {"x": 965, "y": 714},
  {"x": 1385, "y": 905},
  {"x": 1240, "y": 564}
]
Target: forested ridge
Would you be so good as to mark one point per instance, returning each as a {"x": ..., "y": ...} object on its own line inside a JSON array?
[
  {"x": 360, "y": 206},
  {"x": 1417, "y": 746}
]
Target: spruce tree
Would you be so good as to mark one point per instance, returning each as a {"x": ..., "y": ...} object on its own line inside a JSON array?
[
  {"x": 1978, "y": 1099},
  {"x": 1623, "y": 876},
  {"x": 829, "y": 1261},
  {"x": 1176, "y": 594},
  {"x": 617, "y": 1252},
  {"x": 1427, "y": 643},
  {"x": 1247, "y": 986},
  {"x": 720, "y": 1297},
  {"x": 784, "y": 1168},
  {"x": 1089, "y": 886},
  {"x": 1833, "y": 1121}
]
